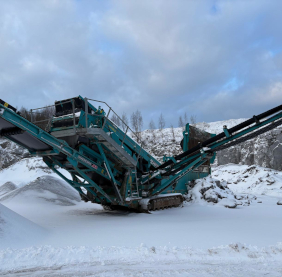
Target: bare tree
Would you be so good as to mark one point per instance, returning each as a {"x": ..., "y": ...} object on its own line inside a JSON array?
[
  {"x": 137, "y": 123},
  {"x": 25, "y": 113},
  {"x": 124, "y": 122},
  {"x": 40, "y": 117},
  {"x": 152, "y": 125},
  {"x": 185, "y": 118},
  {"x": 152, "y": 128},
  {"x": 172, "y": 132},
  {"x": 118, "y": 121},
  {"x": 193, "y": 119},
  {"x": 161, "y": 122},
  {"x": 180, "y": 122},
  {"x": 114, "y": 118}
]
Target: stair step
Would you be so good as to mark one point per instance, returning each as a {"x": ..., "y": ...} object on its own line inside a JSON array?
[{"x": 112, "y": 145}]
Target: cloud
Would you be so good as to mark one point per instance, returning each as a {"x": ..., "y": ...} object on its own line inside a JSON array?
[{"x": 213, "y": 59}]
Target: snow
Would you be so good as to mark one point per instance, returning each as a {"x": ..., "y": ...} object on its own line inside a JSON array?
[
  {"x": 7, "y": 187},
  {"x": 207, "y": 240},
  {"x": 250, "y": 179},
  {"x": 144, "y": 261},
  {"x": 77, "y": 114},
  {"x": 26, "y": 170},
  {"x": 46, "y": 231},
  {"x": 162, "y": 142},
  {"x": 48, "y": 188},
  {"x": 17, "y": 230},
  {"x": 215, "y": 192}
]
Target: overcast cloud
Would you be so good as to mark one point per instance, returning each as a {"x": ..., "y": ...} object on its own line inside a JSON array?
[{"x": 214, "y": 59}]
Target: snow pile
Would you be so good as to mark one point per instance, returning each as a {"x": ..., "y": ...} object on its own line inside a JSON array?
[
  {"x": 215, "y": 192},
  {"x": 48, "y": 257},
  {"x": 16, "y": 230},
  {"x": 48, "y": 188},
  {"x": 7, "y": 187},
  {"x": 250, "y": 179}
]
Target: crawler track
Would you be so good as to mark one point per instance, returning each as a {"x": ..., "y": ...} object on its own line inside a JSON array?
[{"x": 165, "y": 202}]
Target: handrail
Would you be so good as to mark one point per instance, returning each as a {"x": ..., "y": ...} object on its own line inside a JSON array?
[
  {"x": 86, "y": 120},
  {"x": 127, "y": 127},
  {"x": 48, "y": 119},
  {"x": 110, "y": 109}
]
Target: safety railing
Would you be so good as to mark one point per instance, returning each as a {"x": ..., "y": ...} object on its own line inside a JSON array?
[
  {"x": 34, "y": 113},
  {"x": 42, "y": 123},
  {"x": 125, "y": 126}
]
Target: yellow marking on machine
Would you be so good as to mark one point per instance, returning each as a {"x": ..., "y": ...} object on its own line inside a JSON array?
[{"x": 114, "y": 130}]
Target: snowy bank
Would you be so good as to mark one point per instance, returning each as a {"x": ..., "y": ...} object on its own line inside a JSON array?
[{"x": 49, "y": 257}]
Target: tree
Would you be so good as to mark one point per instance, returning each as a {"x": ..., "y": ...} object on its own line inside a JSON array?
[
  {"x": 115, "y": 119},
  {"x": 180, "y": 122},
  {"x": 40, "y": 117},
  {"x": 185, "y": 118},
  {"x": 161, "y": 122},
  {"x": 172, "y": 132},
  {"x": 152, "y": 128},
  {"x": 152, "y": 125},
  {"x": 124, "y": 122},
  {"x": 193, "y": 119},
  {"x": 25, "y": 113},
  {"x": 137, "y": 123}
]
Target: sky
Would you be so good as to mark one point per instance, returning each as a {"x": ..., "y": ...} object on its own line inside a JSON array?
[{"x": 215, "y": 60}]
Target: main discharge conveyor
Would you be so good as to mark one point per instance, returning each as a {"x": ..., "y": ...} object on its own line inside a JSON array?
[{"x": 107, "y": 166}]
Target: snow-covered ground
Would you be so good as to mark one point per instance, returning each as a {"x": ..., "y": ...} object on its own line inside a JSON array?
[
  {"x": 195, "y": 240},
  {"x": 250, "y": 179},
  {"x": 50, "y": 232}
]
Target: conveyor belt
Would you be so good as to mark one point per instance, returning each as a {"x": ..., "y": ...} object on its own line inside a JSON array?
[
  {"x": 250, "y": 136},
  {"x": 241, "y": 126},
  {"x": 24, "y": 139}
]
